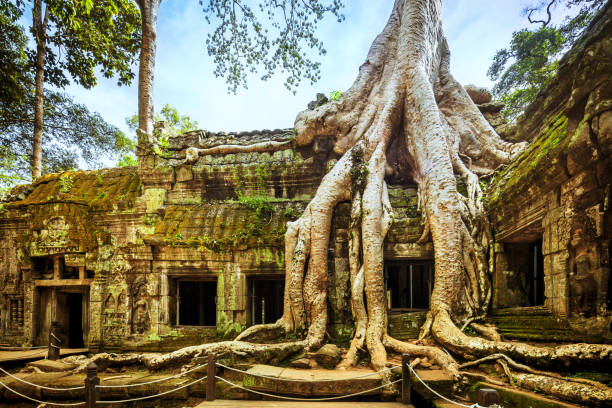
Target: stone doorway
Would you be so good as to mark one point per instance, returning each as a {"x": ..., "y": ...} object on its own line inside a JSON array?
[
  {"x": 267, "y": 295},
  {"x": 70, "y": 308},
  {"x": 196, "y": 303},
  {"x": 74, "y": 303},
  {"x": 408, "y": 284},
  {"x": 535, "y": 274}
]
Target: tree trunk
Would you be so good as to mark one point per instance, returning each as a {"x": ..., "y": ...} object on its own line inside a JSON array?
[
  {"x": 40, "y": 32},
  {"x": 148, "y": 11}
]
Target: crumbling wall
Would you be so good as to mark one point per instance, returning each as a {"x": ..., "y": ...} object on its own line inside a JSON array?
[{"x": 558, "y": 190}]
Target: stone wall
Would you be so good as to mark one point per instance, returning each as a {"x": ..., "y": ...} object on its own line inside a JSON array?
[
  {"x": 126, "y": 238},
  {"x": 558, "y": 191}
]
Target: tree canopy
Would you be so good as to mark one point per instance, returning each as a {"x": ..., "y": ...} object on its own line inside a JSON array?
[
  {"x": 530, "y": 61},
  {"x": 70, "y": 133}
]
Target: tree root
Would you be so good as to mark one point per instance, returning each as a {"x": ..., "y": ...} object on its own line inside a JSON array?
[
  {"x": 263, "y": 353},
  {"x": 578, "y": 390},
  {"x": 447, "y": 334},
  {"x": 507, "y": 360}
]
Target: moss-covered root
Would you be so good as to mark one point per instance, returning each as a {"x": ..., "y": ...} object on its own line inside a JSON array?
[
  {"x": 583, "y": 394},
  {"x": 448, "y": 335},
  {"x": 263, "y": 353}
]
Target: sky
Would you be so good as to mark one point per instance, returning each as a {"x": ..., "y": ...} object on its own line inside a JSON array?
[{"x": 184, "y": 77}]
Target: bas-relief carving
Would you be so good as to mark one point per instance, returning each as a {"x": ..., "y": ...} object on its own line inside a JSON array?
[
  {"x": 52, "y": 236},
  {"x": 141, "y": 322},
  {"x": 115, "y": 306}
]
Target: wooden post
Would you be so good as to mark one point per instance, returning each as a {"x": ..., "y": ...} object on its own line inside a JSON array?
[
  {"x": 486, "y": 397},
  {"x": 54, "y": 342},
  {"x": 210, "y": 378},
  {"x": 92, "y": 393},
  {"x": 405, "y": 379}
]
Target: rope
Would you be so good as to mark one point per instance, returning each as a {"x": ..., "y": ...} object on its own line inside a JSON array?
[
  {"x": 41, "y": 386},
  {"x": 73, "y": 404},
  {"x": 152, "y": 381},
  {"x": 306, "y": 381},
  {"x": 305, "y": 399},
  {"x": 152, "y": 396},
  {"x": 440, "y": 395}
]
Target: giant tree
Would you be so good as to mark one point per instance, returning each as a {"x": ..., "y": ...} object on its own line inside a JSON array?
[
  {"x": 73, "y": 40},
  {"x": 404, "y": 113},
  {"x": 241, "y": 44}
]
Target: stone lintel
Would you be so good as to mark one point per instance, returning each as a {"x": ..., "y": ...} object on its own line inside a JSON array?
[{"x": 63, "y": 282}]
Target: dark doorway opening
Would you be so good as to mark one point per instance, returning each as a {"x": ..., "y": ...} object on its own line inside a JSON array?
[
  {"x": 267, "y": 297},
  {"x": 197, "y": 303},
  {"x": 535, "y": 274},
  {"x": 409, "y": 284},
  {"x": 75, "y": 320}
]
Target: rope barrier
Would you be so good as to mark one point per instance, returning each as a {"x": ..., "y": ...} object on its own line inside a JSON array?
[
  {"x": 306, "y": 399},
  {"x": 305, "y": 381},
  {"x": 440, "y": 395},
  {"x": 82, "y": 387},
  {"x": 153, "y": 381},
  {"x": 66, "y": 404},
  {"x": 152, "y": 396}
]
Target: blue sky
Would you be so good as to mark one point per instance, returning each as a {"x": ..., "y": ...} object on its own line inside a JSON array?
[{"x": 184, "y": 72}]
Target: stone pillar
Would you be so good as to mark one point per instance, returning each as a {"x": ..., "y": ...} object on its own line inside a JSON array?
[{"x": 555, "y": 241}]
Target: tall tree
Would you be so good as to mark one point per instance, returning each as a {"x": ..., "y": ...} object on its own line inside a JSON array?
[
  {"x": 73, "y": 39},
  {"x": 241, "y": 44},
  {"x": 71, "y": 132},
  {"x": 530, "y": 61}
]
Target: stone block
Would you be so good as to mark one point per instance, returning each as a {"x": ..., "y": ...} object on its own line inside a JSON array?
[
  {"x": 329, "y": 355},
  {"x": 184, "y": 173}
]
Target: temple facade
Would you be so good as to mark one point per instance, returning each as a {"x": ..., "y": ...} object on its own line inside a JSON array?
[{"x": 189, "y": 246}]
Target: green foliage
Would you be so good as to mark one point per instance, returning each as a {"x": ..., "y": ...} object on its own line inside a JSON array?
[
  {"x": 66, "y": 183},
  {"x": 71, "y": 133},
  {"x": 179, "y": 123},
  {"x": 83, "y": 37},
  {"x": 261, "y": 210},
  {"x": 14, "y": 69},
  {"x": 240, "y": 44},
  {"x": 8, "y": 178},
  {"x": 530, "y": 62},
  {"x": 335, "y": 95}
]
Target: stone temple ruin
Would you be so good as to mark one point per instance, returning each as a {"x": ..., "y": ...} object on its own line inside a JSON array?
[{"x": 189, "y": 246}]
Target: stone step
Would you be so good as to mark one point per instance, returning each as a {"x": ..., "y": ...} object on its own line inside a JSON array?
[
  {"x": 310, "y": 382},
  {"x": 298, "y": 404}
]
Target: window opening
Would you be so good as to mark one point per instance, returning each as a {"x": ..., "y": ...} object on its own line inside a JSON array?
[
  {"x": 267, "y": 297},
  {"x": 196, "y": 303}
]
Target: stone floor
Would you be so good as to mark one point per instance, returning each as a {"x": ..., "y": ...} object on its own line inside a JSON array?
[{"x": 31, "y": 355}]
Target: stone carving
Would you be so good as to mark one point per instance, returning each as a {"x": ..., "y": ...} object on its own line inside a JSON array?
[
  {"x": 110, "y": 303},
  {"x": 583, "y": 286},
  {"x": 54, "y": 234},
  {"x": 140, "y": 309}
]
